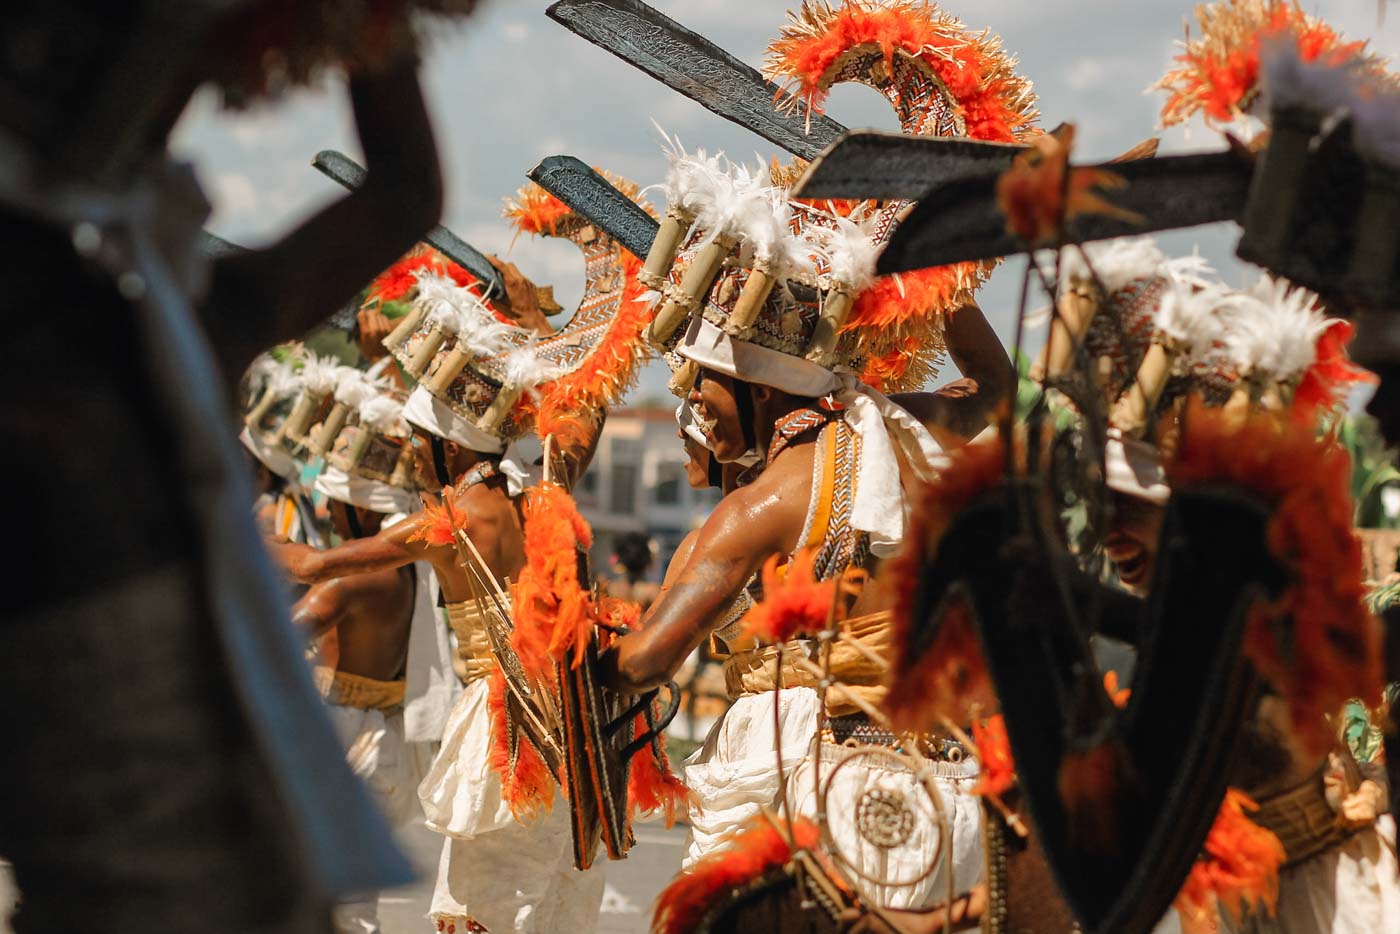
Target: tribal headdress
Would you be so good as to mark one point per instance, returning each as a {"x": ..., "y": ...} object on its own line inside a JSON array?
[
  {"x": 784, "y": 291},
  {"x": 270, "y": 390},
  {"x": 369, "y": 458},
  {"x": 485, "y": 381},
  {"x": 1222, "y": 72}
]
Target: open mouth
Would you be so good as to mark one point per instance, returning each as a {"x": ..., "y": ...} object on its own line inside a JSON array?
[{"x": 1129, "y": 558}]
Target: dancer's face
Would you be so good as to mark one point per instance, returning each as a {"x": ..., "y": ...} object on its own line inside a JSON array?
[
  {"x": 1132, "y": 542},
  {"x": 714, "y": 397},
  {"x": 697, "y": 463},
  {"x": 423, "y": 459}
]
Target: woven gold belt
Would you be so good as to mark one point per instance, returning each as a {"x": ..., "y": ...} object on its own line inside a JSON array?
[
  {"x": 1303, "y": 820},
  {"x": 474, "y": 656},
  {"x": 346, "y": 690}
]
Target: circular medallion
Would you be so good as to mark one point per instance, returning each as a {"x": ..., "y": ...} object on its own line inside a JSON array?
[{"x": 883, "y": 819}]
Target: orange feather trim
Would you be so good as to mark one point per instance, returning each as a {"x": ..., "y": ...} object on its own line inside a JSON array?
[
  {"x": 651, "y": 785},
  {"x": 994, "y": 756},
  {"x": 569, "y": 406},
  {"x": 527, "y": 787},
  {"x": 995, "y": 102},
  {"x": 553, "y": 610},
  {"x": 1238, "y": 869},
  {"x": 1324, "y": 385},
  {"x": 950, "y": 675},
  {"x": 534, "y": 210},
  {"x": 794, "y": 603},
  {"x": 751, "y": 852},
  {"x": 438, "y": 525},
  {"x": 394, "y": 283},
  {"x": 1318, "y": 643},
  {"x": 1119, "y": 696},
  {"x": 1218, "y": 73}
]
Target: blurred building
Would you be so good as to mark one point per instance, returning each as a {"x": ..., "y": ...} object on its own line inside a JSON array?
[{"x": 636, "y": 483}]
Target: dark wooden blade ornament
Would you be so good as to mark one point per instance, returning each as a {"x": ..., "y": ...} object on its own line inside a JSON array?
[
  {"x": 343, "y": 170},
  {"x": 690, "y": 64},
  {"x": 960, "y": 220},
  {"x": 1171, "y": 748},
  {"x": 591, "y": 195},
  {"x": 878, "y": 164}
]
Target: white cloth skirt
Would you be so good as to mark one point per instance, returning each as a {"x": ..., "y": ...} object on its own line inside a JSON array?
[
  {"x": 376, "y": 751},
  {"x": 461, "y": 794},
  {"x": 734, "y": 776}
]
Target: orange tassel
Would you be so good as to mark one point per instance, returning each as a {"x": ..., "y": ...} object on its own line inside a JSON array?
[
  {"x": 553, "y": 611},
  {"x": 793, "y": 604},
  {"x": 651, "y": 784},
  {"x": 438, "y": 525},
  {"x": 1238, "y": 870},
  {"x": 1036, "y": 199},
  {"x": 1332, "y": 648},
  {"x": 994, "y": 757},
  {"x": 752, "y": 852},
  {"x": 1326, "y": 382},
  {"x": 527, "y": 786}
]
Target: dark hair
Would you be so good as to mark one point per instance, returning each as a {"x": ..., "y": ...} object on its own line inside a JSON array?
[{"x": 633, "y": 550}]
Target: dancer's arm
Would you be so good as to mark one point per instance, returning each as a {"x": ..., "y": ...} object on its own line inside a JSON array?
[
  {"x": 262, "y": 297},
  {"x": 323, "y": 606},
  {"x": 747, "y": 527},
  {"x": 959, "y": 411},
  {"x": 383, "y": 552}
]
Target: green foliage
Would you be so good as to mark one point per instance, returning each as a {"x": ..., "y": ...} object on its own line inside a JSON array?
[{"x": 1372, "y": 469}]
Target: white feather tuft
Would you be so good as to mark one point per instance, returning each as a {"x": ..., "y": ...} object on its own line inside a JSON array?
[
  {"x": 459, "y": 312},
  {"x": 728, "y": 200},
  {"x": 1272, "y": 330},
  {"x": 851, "y": 251},
  {"x": 356, "y": 388},
  {"x": 763, "y": 227},
  {"x": 320, "y": 375},
  {"x": 527, "y": 370},
  {"x": 383, "y": 414},
  {"x": 1117, "y": 262},
  {"x": 1189, "y": 317}
]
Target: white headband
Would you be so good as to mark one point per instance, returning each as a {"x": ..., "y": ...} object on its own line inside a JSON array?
[
  {"x": 430, "y": 413},
  {"x": 364, "y": 493}
]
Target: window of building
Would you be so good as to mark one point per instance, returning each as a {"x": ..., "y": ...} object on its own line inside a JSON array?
[
  {"x": 670, "y": 481},
  {"x": 622, "y": 488}
]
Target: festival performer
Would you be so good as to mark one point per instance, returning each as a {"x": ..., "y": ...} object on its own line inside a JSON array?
[
  {"x": 208, "y": 719},
  {"x": 773, "y": 353},
  {"x": 285, "y": 512}
]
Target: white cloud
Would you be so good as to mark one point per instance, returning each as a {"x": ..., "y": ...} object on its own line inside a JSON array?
[
  {"x": 516, "y": 32},
  {"x": 1085, "y": 73}
]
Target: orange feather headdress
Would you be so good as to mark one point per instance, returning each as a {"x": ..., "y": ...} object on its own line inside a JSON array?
[{"x": 1218, "y": 72}]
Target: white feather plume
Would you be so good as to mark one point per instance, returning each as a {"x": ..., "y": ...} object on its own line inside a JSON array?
[
  {"x": 320, "y": 375},
  {"x": 1117, "y": 262},
  {"x": 690, "y": 177},
  {"x": 763, "y": 226},
  {"x": 527, "y": 370},
  {"x": 1272, "y": 330},
  {"x": 382, "y": 413},
  {"x": 459, "y": 312},
  {"x": 851, "y": 252},
  {"x": 1189, "y": 317},
  {"x": 356, "y": 388}
]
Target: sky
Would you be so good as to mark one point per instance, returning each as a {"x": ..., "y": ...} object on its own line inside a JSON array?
[{"x": 509, "y": 86}]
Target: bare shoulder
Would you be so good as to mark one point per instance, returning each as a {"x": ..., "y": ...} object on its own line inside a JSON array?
[{"x": 768, "y": 513}]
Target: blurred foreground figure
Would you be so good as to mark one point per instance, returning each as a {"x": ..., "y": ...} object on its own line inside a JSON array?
[{"x": 169, "y": 766}]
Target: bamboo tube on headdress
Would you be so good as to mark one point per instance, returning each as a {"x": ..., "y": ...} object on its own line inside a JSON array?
[
  {"x": 449, "y": 368},
  {"x": 403, "y": 466},
  {"x": 683, "y": 380},
  {"x": 259, "y": 411},
  {"x": 423, "y": 354},
  {"x": 334, "y": 422},
  {"x": 360, "y": 446},
  {"x": 406, "y": 326},
  {"x": 695, "y": 286},
  {"x": 835, "y": 310},
  {"x": 496, "y": 414},
  {"x": 752, "y": 298},
  {"x": 1077, "y": 308},
  {"x": 304, "y": 412},
  {"x": 670, "y": 234},
  {"x": 1131, "y": 413}
]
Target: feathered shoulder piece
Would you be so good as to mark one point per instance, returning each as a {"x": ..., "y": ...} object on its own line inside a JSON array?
[
  {"x": 1218, "y": 72},
  {"x": 872, "y": 41}
]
